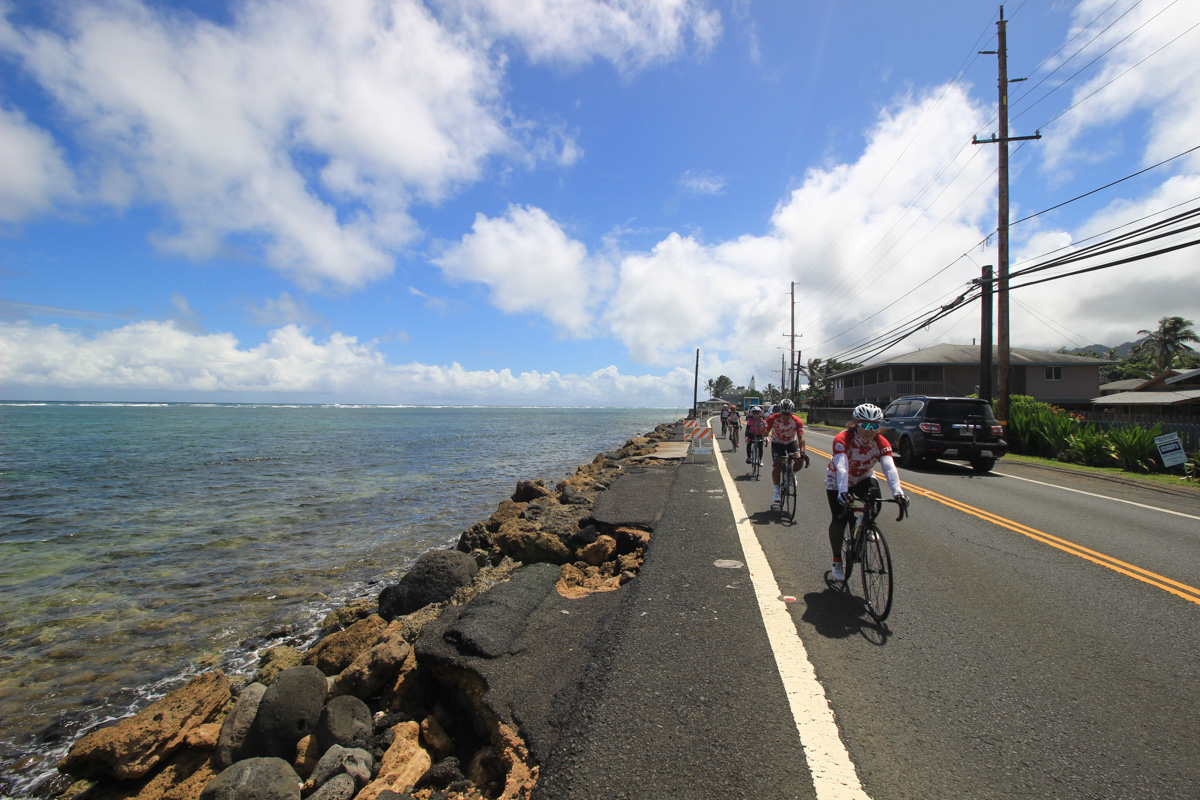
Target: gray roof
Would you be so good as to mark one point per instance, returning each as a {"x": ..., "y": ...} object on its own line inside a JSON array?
[
  {"x": 1185, "y": 377},
  {"x": 1121, "y": 386},
  {"x": 968, "y": 354},
  {"x": 1149, "y": 398}
]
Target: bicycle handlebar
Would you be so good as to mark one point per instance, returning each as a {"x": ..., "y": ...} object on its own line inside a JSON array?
[{"x": 858, "y": 505}]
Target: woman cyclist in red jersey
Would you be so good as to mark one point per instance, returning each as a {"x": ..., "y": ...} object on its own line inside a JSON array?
[
  {"x": 856, "y": 450},
  {"x": 756, "y": 428},
  {"x": 787, "y": 437}
]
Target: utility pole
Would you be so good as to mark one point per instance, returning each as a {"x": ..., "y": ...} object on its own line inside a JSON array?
[
  {"x": 985, "y": 339},
  {"x": 1002, "y": 139},
  {"x": 696, "y": 388}
]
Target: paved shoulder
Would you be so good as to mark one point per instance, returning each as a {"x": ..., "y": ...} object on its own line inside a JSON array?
[{"x": 681, "y": 696}]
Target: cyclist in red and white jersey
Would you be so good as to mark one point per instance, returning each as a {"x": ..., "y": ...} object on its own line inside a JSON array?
[
  {"x": 787, "y": 437},
  {"x": 856, "y": 451}
]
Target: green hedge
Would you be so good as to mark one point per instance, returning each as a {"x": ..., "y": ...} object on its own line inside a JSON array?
[{"x": 1040, "y": 429}]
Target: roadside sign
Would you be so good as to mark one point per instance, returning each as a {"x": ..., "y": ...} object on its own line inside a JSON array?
[
  {"x": 700, "y": 437},
  {"x": 1170, "y": 449}
]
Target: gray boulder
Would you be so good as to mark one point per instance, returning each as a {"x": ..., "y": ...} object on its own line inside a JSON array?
[
  {"x": 433, "y": 579},
  {"x": 255, "y": 779},
  {"x": 346, "y": 721},
  {"x": 339, "y": 787},
  {"x": 338, "y": 760},
  {"x": 287, "y": 712},
  {"x": 234, "y": 730}
]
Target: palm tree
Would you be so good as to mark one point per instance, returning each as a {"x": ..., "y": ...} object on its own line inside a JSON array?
[{"x": 1169, "y": 340}]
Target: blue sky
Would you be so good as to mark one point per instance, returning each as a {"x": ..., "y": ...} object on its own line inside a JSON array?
[{"x": 559, "y": 202}]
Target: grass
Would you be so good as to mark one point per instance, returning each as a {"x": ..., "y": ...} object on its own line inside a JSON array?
[{"x": 1169, "y": 479}]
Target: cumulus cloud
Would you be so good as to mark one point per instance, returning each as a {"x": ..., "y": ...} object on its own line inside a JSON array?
[
  {"x": 303, "y": 132},
  {"x": 35, "y": 173},
  {"x": 1151, "y": 68},
  {"x": 148, "y": 360},
  {"x": 850, "y": 235},
  {"x": 530, "y": 265}
]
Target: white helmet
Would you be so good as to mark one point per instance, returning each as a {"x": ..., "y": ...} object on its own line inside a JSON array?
[{"x": 868, "y": 413}]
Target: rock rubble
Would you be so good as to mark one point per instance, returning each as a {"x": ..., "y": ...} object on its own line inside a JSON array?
[{"x": 358, "y": 716}]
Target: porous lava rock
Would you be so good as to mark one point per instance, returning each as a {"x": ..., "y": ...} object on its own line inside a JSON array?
[
  {"x": 344, "y": 721},
  {"x": 237, "y": 725},
  {"x": 131, "y": 748},
  {"x": 288, "y": 712},
  {"x": 255, "y": 779},
  {"x": 433, "y": 579},
  {"x": 338, "y": 650}
]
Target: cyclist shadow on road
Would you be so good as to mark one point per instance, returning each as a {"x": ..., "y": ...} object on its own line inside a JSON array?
[{"x": 837, "y": 614}]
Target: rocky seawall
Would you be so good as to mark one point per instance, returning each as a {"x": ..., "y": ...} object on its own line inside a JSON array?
[{"x": 390, "y": 701}]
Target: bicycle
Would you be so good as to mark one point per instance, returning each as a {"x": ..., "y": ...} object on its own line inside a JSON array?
[
  {"x": 756, "y": 453},
  {"x": 865, "y": 545},
  {"x": 734, "y": 433},
  {"x": 787, "y": 486}
]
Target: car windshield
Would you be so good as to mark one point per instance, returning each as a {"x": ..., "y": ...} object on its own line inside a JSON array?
[{"x": 959, "y": 409}]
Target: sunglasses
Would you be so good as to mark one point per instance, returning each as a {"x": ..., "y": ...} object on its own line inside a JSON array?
[{"x": 869, "y": 426}]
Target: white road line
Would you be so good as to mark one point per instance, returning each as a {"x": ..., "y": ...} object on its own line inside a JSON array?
[
  {"x": 833, "y": 773},
  {"x": 1093, "y": 494}
]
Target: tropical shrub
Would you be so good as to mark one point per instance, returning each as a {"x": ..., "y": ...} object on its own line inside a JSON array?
[
  {"x": 1023, "y": 418},
  {"x": 1134, "y": 446},
  {"x": 1056, "y": 427},
  {"x": 1090, "y": 446}
]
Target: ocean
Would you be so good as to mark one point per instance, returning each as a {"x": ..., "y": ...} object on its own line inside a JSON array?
[{"x": 141, "y": 544}]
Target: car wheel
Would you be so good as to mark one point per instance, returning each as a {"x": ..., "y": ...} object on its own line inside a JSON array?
[
  {"x": 983, "y": 465},
  {"x": 908, "y": 458}
]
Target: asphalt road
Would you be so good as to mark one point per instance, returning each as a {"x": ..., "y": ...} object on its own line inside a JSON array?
[{"x": 1013, "y": 665}]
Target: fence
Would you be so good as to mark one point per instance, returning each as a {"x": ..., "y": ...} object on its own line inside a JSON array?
[{"x": 1189, "y": 432}]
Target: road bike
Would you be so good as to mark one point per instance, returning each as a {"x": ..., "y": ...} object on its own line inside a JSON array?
[
  {"x": 734, "y": 433},
  {"x": 787, "y": 486},
  {"x": 865, "y": 546},
  {"x": 756, "y": 451}
]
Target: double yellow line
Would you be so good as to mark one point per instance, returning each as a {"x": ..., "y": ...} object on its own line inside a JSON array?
[{"x": 1190, "y": 593}]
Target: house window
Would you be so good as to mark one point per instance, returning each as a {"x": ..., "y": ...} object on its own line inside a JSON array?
[{"x": 1054, "y": 373}]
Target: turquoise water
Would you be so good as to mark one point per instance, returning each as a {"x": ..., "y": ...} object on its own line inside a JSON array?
[{"x": 140, "y": 544}]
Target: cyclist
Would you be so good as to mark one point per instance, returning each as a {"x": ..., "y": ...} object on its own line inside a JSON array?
[
  {"x": 725, "y": 419},
  {"x": 787, "y": 436},
  {"x": 735, "y": 425},
  {"x": 856, "y": 450},
  {"x": 756, "y": 430}
]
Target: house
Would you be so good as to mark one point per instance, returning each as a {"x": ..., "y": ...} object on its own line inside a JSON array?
[
  {"x": 952, "y": 370},
  {"x": 1171, "y": 395}
]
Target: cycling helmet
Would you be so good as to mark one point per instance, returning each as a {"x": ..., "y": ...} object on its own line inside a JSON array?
[
  {"x": 868, "y": 412},
  {"x": 755, "y": 409},
  {"x": 786, "y": 407}
]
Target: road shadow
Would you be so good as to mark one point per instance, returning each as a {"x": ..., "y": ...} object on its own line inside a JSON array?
[
  {"x": 837, "y": 614},
  {"x": 766, "y": 517},
  {"x": 950, "y": 468}
]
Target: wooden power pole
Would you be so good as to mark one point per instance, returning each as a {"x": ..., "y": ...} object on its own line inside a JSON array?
[{"x": 1002, "y": 343}]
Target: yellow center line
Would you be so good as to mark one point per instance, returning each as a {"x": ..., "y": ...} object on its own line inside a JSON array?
[{"x": 1146, "y": 576}]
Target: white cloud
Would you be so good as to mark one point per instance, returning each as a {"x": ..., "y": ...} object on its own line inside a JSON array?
[
  {"x": 35, "y": 173},
  {"x": 531, "y": 266},
  {"x": 849, "y": 235},
  {"x": 149, "y": 360},
  {"x": 702, "y": 182},
  {"x": 283, "y": 310},
  {"x": 1152, "y": 70},
  {"x": 632, "y": 34}
]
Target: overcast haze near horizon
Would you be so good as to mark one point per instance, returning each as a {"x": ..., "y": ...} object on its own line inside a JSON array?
[{"x": 558, "y": 203}]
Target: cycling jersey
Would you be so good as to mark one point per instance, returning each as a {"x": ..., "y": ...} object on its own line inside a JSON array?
[
  {"x": 756, "y": 426},
  {"x": 785, "y": 428},
  {"x": 853, "y": 460}
]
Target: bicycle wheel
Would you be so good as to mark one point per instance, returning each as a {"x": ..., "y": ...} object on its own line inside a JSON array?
[
  {"x": 756, "y": 460},
  {"x": 787, "y": 494},
  {"x": 876, "y": 572},
  {"x": 848, "y": 555}
]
